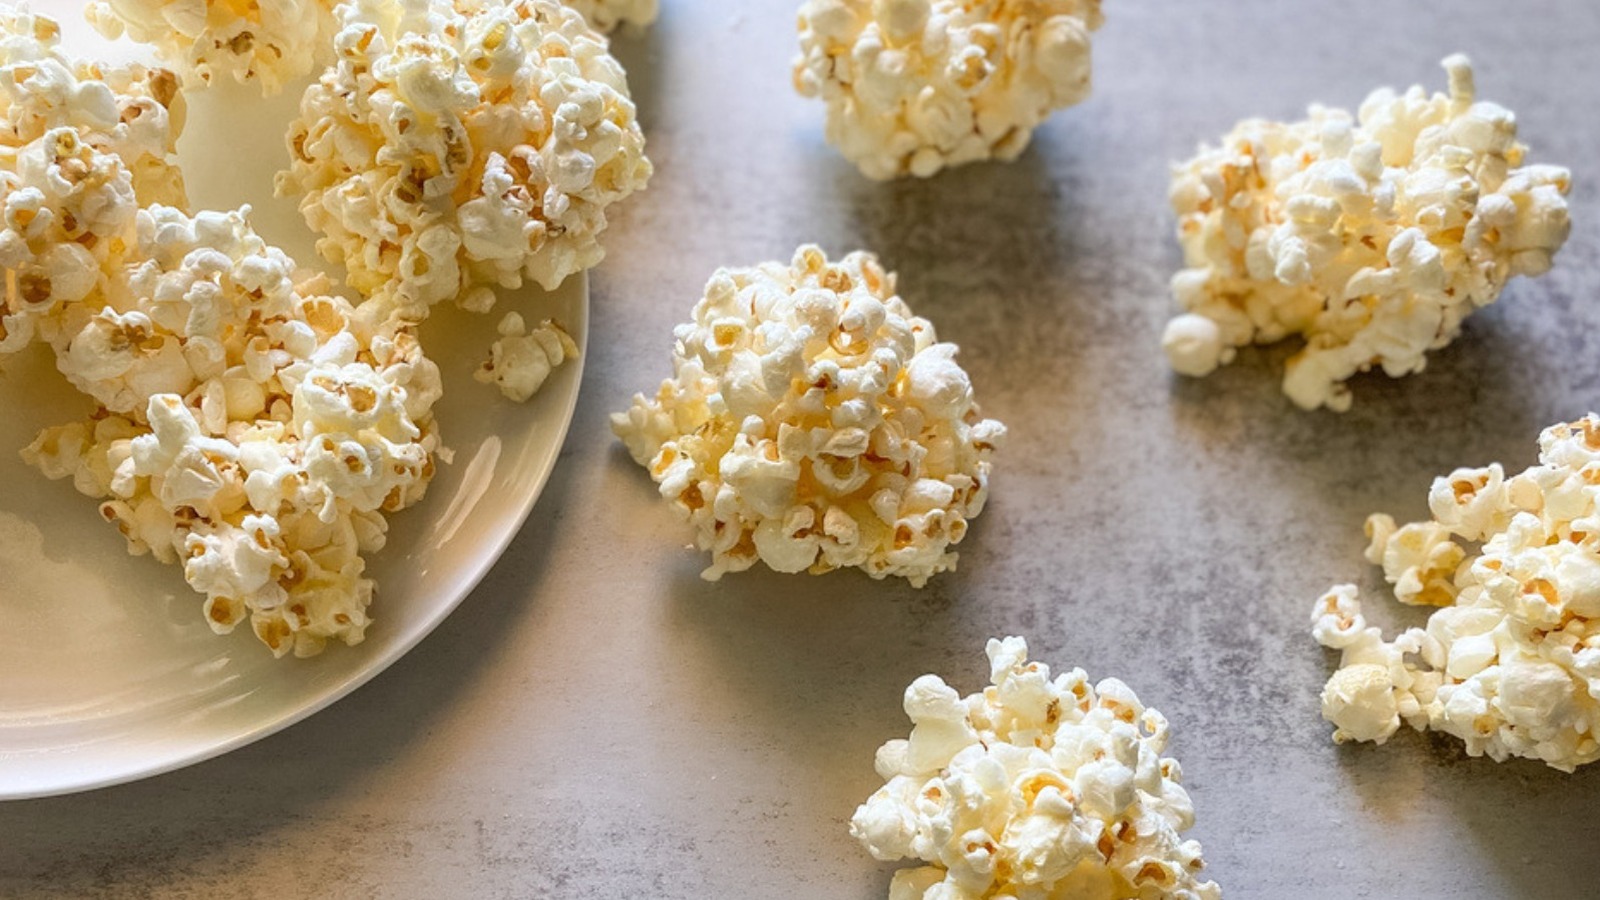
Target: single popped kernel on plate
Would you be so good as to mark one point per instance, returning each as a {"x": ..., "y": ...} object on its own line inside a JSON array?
[{"x": 108, "y": 669}]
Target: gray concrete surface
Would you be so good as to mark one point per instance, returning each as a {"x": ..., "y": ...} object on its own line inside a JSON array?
[{"x": 596, "y": 722}]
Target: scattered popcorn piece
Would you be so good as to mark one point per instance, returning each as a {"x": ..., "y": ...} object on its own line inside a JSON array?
[
  {"x": 132, "y": 112},
  {"x": 1419, "y": 559},
  {"x": 520, "y": 361},
  {"x": 1194, "y": 345},
  {"x": 606, "y": 15},
  {"x": 914, "y": 86},
  {"x": 1510, "y": 663},
  {"x": 813, "y": 423},
  {"x": 456, "y": 145},
  {"x": 272, "y": 42},
  {"x": 1034, "y": 788},
  {"x": 247, "y": 429},
  {"x": 1371, "y": 237}
]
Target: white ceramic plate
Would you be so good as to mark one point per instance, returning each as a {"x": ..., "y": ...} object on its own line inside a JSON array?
[{"x": 108, "y": 672}]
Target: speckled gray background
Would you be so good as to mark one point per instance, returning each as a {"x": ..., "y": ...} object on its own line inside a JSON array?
[{"x": 597, "y": 722}]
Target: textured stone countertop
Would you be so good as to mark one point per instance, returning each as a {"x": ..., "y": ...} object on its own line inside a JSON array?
[{"x": 596, "y": 721}]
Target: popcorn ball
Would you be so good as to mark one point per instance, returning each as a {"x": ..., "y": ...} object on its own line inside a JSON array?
[
  {"x": 456, "y": 145},
  {"x": 521, "y": 360},
  {"x": 271, "y": 42},
  {"x": 132, "y": 112},
  {"x": 81, "y": 148},
  {"x": 68, "y": 214},
  {"x": 248, "y": 427},
  {"x": 246, "y": 432},
  {"x": 1035, "y": 788},
  {"x": 813, "y": 423},
  {"x": 1510, "y": 662},
  {"x": 606, "y": 15},
  {"x": 1371, "y": 237},
  {"x": 913, "y": 86}
]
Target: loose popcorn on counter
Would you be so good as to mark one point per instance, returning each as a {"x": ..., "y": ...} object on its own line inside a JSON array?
[
  {"x": 606, "y": 15},
  {"x": 248, "y": 429},
  {"x": 1034, "y": 788},
  {"x": 132, "y": 112},
  {"x": 456, "y": 145},
  {"x": 269, "y": 41},
  {"x": 913, "y": 86},
  {"x": 1510, "y": 662},
  {"x": 1370, "y": 237},
  {"x": 813, "y": 423},
  {"x": 520, "y": 361}
]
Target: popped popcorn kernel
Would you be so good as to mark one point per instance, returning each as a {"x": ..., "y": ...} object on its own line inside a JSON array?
[
  {"x": 813, "y": 423},
  {"x": 607, "y": 15},
  {"x": 1035, "y": 787},
  {"x": 1510, "y": 662},
  {"x": 271, "y": 42},
  {"x": 459, "y": 145},
  {"x": 521, "y": 360},
  {"x": 915, "y": 86},
  {"x": 1371, "y": 237}
]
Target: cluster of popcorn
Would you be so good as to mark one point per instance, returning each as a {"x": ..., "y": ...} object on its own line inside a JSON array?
[
  {"x": 606, "y": 15},
  {"x": 81, "y": 148},
  {"x": 913, "y": 86},
  {"x": 245, "y": 430},
  {"x": 1035, "y": 788},
  {"x": 1370, "y": 237},
  {"x": 1510, "y": 663},
  {"x": 521, "y": 360},
  {"x": 246, "y": 427},
  {"x": 271, "y": 42},
  {"x": 813, "y": 423},
  {"x": 456, "y": 145},
  {"x": 68, "y": 213},
  {"x": 131, "y": 112}
]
